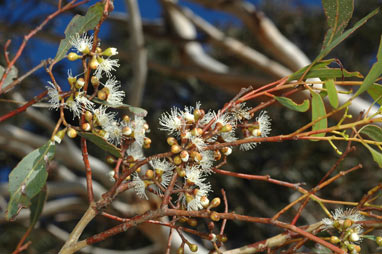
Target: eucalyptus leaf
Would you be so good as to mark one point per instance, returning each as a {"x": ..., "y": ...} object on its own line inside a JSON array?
[
  {"x": 303, "y": 107},
  {"x": 318, "y": 110},
  {"x": 372, "y": 131},
  {"x": 374, "y": 73},
  {"x": 79, "y": 24},
  {"x": 135, "y": 110},
  {"x": 377, "y": 156},
  {"x": 101, "y": 143},
  {"x": 332, "y": 92},
  {"x": 334, "y": 43},
  {"x": 318, "y": 65},
  {"x": 338, "y": 14},
  {"x": 375, "y": 91},
  {"x": 37, "y": 205},
  {"x": 28, "y": 178}
]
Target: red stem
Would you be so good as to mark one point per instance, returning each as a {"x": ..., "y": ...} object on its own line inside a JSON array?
[
  {"x": 89, "y": 181},
  {"x": 23, "y": 107}
]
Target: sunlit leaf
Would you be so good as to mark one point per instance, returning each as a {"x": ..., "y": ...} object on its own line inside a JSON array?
[
  {"x": 338, "y": 14},
  {"x": 332, "y": 92},
  {"x": 28, "y": 178},
  {"x": 79, "y": 24},
  {"x": 372, "y": 131},
  {"x": 12, "y": 75},
  {"x": 101, "y": 143},
  {"x": 318, "y": 110},
  {"x": 377, "y": 156},
  {"x": 374, "y": 73},
  {"x": 304, "y": 106}
]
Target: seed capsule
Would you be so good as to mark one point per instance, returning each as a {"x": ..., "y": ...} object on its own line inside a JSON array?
[{"x": 72, "y": 133}]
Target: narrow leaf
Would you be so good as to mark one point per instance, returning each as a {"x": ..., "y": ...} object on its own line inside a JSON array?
[
  {"x": 377, "y": 156},
  {"x": 332, "y": 92},
  {"x": 303, "y": 107},
  {"x": 375, "y": 91},
  {"x": 101, "y": 143},
  {"x": 317, "y": 65},
  {"x": 344, "y": 35},
  {"x": 374, "y": 73},
  {"x": 12, "y": 75},
  {"x": 331, "y": 73},
  {"x": 36, "y": 207},
  {"x": 318, "y": 110},
  {"x": 135, "y": 110},
  {"x": 372, "y": 131},
  {"x": 79, "y": 24},
  {"x": 338, "y": 13},
  {"x": 28, "y": 178}
]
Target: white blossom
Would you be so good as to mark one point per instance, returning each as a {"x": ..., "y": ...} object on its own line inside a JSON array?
[
  {"x": 54, "y": 96},
  {"x": 115, "y": 96},
  {"x": 139, "y": 186},
  {"x": 81, "y": 43},
  {"x": 171, "y": 122},
  {"x": 106, "y": 66},
  {"x": 135, "y": 150},
  {"x": 161, "y": 165}
]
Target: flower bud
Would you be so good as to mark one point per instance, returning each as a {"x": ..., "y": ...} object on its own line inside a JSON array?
[
  {"x": 215, "y": 202},
  {"x": 79, "y": 83},
  {"x": 347, "y": 223},
  {"x": 204, "y": 201},
  {"x": 73, "y": 56},
  {"x": 88, "y": 116},
  {"x": 94, "y": 63},
  {"x": 102, "y": 95},
  {"x": 198, "y": 114},
  {"x": 226, "y": 128},
  {"x": 72, "y": 133},
  {"x": 176, "y": 148},
  {"x": 149, "y": 174},
  {"x": 192, "y": 222},
  {"x": 180, "y": 250},
  {"x": 98, "y": 50},
  {"x": 378, "y": 240},
  {"x": 181, "y": 172},
  {"x": 226, "y": 150},
  {"x": 171, "y": 141},
  {"x": 256, "y": 132},
  {"x": 177, "y": 160},
  {"x": 184, "y": 156},
  {"x": 222, "y": 238},
  {"x": 127, "y": 131},
  {"x": 214, "y": 216},
  {"x": 334, "y": 239},
  {"x": 95, "y": 81},
  {"x": 110, "y": 160},
  {"x": 59, "y": 136},
  {"x": 86, "y": 126},
  {"x": 110, "y": 52},
  {"x": 354, "y": 237},
  {"x": 126, "y": 118},
  {"x": 193, "y": 247},
  {"x": 217, "y": 155}
]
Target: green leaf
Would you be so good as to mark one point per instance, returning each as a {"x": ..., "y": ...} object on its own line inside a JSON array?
[
  {"x": 317, "y": 65},
  {"x": 303, "y": 107},
  {"x": 135, "y": 110},
  {"x": 344, "y": 35},
  {"x": 377, "y": 156},
  {"x": 372, "y": 131},
  {"x": 338, "y": 13},
  {"x": 332, "y": 92},
  {"x": 374, "y": 73},
  {"x": 37, "y": 205},
  {"x": 318, "y": 110},
  {"x": 101, "y": 143},
  {"x": 375, "y": 91},
  {"x": 331, "y": 73},
  {"x": 28, "y": 178},
  {"x": 12, "y": 75},
  {"x": 79, "y": 24}
]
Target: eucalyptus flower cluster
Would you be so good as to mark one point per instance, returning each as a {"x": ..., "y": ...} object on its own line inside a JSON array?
[
  {"x": 96, "y": 109},
  {"x": 349, "y": 232},
  {"x": 191, "y": 132}
]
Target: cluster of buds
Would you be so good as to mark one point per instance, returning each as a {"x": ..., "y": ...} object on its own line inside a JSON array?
[{"x": 344, "y": 222}]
